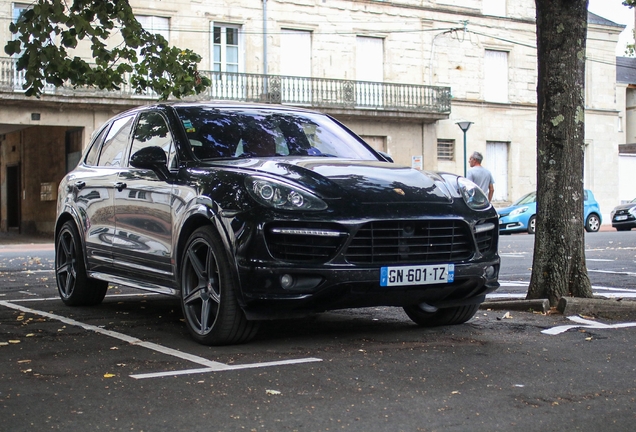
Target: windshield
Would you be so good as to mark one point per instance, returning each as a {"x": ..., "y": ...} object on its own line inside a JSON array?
[
  {"x": 229, "y": 133},
  {"x": 526, "y": 199}
]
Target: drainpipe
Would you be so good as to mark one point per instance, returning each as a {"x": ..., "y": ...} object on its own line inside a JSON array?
[{"x": 265, "y": 46}]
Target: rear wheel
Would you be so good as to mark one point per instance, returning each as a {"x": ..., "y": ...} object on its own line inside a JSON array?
[
  {"x": 593, "y": 223},
  {"x": 532, "y": 225},
  {"x": 74, "y": 286},
  {"x": 444, "y": 316},
  {"x": 208, "y": 297}
]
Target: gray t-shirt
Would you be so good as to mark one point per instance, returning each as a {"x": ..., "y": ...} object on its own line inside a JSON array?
[{"x": 481, "y": 177}]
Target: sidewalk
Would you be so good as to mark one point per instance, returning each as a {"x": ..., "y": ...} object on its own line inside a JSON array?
[{"x": 11, "y": 238}]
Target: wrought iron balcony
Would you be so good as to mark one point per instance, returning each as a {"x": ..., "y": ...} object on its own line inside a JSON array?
[{"x": 301, "y": 91}]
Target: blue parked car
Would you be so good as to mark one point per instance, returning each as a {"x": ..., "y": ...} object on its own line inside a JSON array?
[{"x": 521, "y": 215}]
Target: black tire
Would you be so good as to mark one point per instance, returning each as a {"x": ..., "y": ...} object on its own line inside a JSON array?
[
  {"x": 532, "y": 225},
  {"x": 74, "y": 286},
  {"x": 592, "y": 223},
  {"x": 208, "y": 298},
  {"x": 445, "y": 316}
]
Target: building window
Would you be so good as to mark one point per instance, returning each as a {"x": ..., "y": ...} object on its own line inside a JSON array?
[
  {"x": 295, "y": 53},
  {"x": 295, "y": 61},
  {"x": 494, "y": 7},
  {"x": 226, "y": 48},
  {"x": 155, "y": 25},
  {"x": 496, "y": 76},
  {"x": 446, "y": 149},
  {"x": 377, "y": 142},
  {"x": 18, "y": 9},
  {"x": 369, "y": 71}
]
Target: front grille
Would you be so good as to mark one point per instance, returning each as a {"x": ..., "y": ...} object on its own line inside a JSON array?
[
  {"x": 625, "y": 212},
  {"x": 485, "y": 239},
  {"x": 411, "y": 242},
  {"x": 309, "y": 243}
]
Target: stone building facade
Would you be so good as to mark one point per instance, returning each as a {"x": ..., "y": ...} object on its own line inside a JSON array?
[{"x": 400, "y": 74}]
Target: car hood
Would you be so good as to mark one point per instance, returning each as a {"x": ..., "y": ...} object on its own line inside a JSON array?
[
  {"x": 624, "y": 206},
  {"x": 363, "y": 181},
  {"x": 506, "y": 210}
]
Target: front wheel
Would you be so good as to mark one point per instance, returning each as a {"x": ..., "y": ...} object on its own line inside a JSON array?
[
  {"x": 593, "y": 223},
  {"x": 444, "y": 316},
  {"x": 74, "y": 286},
  {"x": 532, "y": 225},
  {"x": 208, "y": 297}
]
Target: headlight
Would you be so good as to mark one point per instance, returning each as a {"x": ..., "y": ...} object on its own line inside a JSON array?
[
  {"x": 472, "y": 194},
  {"x": 518, "y": 211},
  {"x": 283, "y": 196}
]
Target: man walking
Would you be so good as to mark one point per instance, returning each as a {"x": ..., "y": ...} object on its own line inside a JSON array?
[{"x": 480, "y": 175}]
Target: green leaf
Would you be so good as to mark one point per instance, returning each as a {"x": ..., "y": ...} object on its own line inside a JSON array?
[
  {"x": 12, "y": 47},
  {"x": 166, "y": 70}
]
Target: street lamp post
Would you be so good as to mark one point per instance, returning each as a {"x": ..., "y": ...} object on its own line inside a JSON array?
[{"x": 464, "y": 126}]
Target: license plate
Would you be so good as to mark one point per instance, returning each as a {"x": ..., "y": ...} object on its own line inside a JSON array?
[
  {"x": 622, "y": 217},
  {"x": 417, "y": 275}
]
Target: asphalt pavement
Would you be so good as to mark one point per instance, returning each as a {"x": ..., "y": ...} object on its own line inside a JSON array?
[{"x": 129, "y": 364}]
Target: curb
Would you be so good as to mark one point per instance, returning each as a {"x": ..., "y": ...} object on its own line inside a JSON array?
[
  {"x": 611, "y": 309},
  {"x": 540, "y": 305}
]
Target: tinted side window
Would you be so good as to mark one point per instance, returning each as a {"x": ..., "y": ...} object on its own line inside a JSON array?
[
  {"x": 116, "y": 142},
  {"x": 93, "y": 153},
  {"x": 152, "y": 130}
]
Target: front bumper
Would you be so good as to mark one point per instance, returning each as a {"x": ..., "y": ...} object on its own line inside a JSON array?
[
  {"x": 625, "y": 224},
  {"x": 338, "y": 287},
  {"x": 510, "y": 225}
]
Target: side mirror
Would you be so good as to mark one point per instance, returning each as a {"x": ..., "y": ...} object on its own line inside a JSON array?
[
  {"x": 385, "y": 156},
  {"x": 153, "y": 158}
]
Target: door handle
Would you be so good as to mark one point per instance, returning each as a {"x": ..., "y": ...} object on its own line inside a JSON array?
[
  {"x": 120, "y": 186},
  {"x": 79, "y": 185}
]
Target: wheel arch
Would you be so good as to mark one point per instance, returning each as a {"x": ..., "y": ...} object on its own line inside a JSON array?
[
  {"x": 67, "y": 216},
  {"x": 191, "y": 224}
]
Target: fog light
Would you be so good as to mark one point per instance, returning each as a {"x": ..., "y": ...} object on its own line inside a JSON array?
[
  {"x": 286, "y": 281},
  {"x": 490, "y": 272}
]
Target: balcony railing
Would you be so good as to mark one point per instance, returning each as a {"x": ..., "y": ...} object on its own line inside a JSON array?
[{"x": 303, "y": 91}]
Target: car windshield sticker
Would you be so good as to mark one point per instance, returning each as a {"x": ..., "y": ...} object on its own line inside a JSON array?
[{"x": 188, "y": 126}]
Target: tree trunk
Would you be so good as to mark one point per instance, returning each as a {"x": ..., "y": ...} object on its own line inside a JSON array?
[{"x": 559, "y": 266}]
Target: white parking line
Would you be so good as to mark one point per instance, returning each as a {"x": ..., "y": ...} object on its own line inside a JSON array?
[
  {"x": 506, "y": 296},
  {"x": 610, "y": 292},
  {"x": 226, "y": 367},
  {"x": 621, "y": 273},
  {"x": 585, "y": 323},
  {"x": 210, "y": 366},
  {"x": 513, "y": 283}
]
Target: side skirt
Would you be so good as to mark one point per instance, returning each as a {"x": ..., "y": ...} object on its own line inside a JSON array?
[{"x": 146, "y": 286}]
